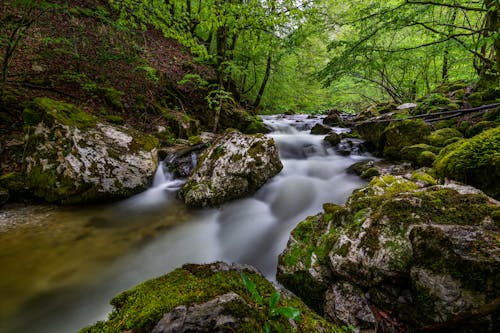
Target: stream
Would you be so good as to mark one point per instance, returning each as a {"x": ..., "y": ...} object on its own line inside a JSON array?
[{"x": 60, "y": 267}]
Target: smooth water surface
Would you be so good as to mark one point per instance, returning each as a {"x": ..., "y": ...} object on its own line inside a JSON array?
[{"x": 61, "y": 266}]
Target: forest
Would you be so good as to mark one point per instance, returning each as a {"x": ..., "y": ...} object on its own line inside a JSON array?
[{"x": 250, "y": 166}]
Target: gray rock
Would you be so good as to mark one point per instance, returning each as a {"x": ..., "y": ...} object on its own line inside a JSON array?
[
  {"x": 347, "y": 305},
  {"x": 236, "y": 165},
  {"x": 212, "y": 316},
  {"x": 420, "y": 254},
  {"x": 70, "y": 161}
]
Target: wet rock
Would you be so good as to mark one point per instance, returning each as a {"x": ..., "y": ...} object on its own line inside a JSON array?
[
  {"x": 319, "y": 129},
  {"x": 71, "y": 157},
  {"x": 348, "y": 147},
  {"x": 182, "y": 159},
  {"x": 207, "y": 298},
  {"x": 333, "y": 118},
  {"x": 333, "y": 138},
  {"x": 417, "y": 252},
  {"x": 236, "y": 165}
]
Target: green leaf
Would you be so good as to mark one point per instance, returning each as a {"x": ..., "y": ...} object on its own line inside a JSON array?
[
  {"x": 274, "y": 300},
  {"x": 289, "y": 312},
  {"x": 251, "y": 287}
]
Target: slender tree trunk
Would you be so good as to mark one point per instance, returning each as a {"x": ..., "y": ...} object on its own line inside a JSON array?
[{"x": 263, "y": 85}]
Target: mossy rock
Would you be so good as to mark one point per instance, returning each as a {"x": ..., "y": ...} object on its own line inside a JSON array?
[
  {"x": 480, "y": 127},
  {"x": 411, "y": 153},
  {"x": 256, "y": 126},
  {"x": 474, "y": 161},
  {"x": 372, "y": 134},
  {"x": 72, "y": 158},
  {"x": 401, "y": 134},
  {"x": 372, "y": 244},
  {"x": 424, "y": 178},
  {"x": 141, "y": 308},
  {"x": 441, "y": 137},
  {"x": 319, "y": 129},
  {"x": 426, "y": 159},
  {"x": 433, "y": 103},
  {"x": 488, "y": 95}
]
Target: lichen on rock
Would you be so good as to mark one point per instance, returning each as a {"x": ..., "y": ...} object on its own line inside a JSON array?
[
  {"x": 72, "y": 158},
  {"x": 423, "y": 253},
  {"x": 236, "y": 165}
]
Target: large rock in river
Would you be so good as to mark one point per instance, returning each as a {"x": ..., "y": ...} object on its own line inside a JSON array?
[
  {"x": 71, "y": 157},
  {"x": 401, "y": 253},
  {"x": 210, "y": 298},
  {"x": 236, "y": 165}
]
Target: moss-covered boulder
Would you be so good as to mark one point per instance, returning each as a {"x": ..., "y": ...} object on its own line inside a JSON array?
[
  {"x": 474, "y": 161},
  {"x": 401, "y": 134},
  {"x": 209, "y": 298},
  {"x": 420, "y": 253},
  {"x": 411, "y": 153},
  {"x": 372, "y": 132},
  {"x": 333, "y": 118},
  {"x": 72, "y": 157},
  {"x": 443, "y": 137},
  {"x": 236, "y": 165}
]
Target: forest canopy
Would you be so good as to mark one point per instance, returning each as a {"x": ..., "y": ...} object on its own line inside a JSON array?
[{"x": 312, "y": 55}]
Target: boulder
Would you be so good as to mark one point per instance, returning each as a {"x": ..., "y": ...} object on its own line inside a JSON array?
[
  {"x": 319, "y": 129},
  {"x": 235, "y": 166},
  {"x": 401, "y": 134},
  {"x": 210, "y": 298},
  {"x": 443, "y": 137},
  {"x": 475, "y": 161},
  {"x": 333, "y": 118},
  {"x": 72, "y": 157},
  {"x": 418, "y": 253}
]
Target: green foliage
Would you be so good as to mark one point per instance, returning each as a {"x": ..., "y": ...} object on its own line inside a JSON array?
[{"x": 275, "y": 310}]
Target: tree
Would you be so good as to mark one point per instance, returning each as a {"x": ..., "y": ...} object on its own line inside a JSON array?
[{"x": 399, "y": 45}]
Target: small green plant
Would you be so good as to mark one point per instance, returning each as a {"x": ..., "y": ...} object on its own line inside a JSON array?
[{"x": 275, "y": 310}]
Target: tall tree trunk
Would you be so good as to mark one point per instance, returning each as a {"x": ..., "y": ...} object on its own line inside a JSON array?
[{"x": 263, "y": 85}]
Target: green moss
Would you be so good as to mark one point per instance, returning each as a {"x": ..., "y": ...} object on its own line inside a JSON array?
[
  {"x": 426, "y": 159},
  {"x": 194, "y": 140},
  {"x": 140, "y": 308},
  {"x": 480, "y": 127},
  {"x": 423, "y": 177},
  {"x": 118, "y": 120},
  {"x": 393, "y": 184},
  {"x": 402, "y": 134},
  {"x": 411, "y": 153},
  {"x": 370, "y": 173},
  {"x": 13, "y": 181},
  {"x": 487, "y": 95},
  {"x": 432, "y": 103},
  {"x": 441, "y": 137},
  {"x": 47, "y": 110},
  {"x": 475, "y": 161}
]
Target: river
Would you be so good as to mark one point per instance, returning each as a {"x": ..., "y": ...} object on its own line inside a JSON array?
[{"x": 61, "y": 266}]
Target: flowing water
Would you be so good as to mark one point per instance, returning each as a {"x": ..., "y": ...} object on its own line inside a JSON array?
[{"x": 61, "y": 266}]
